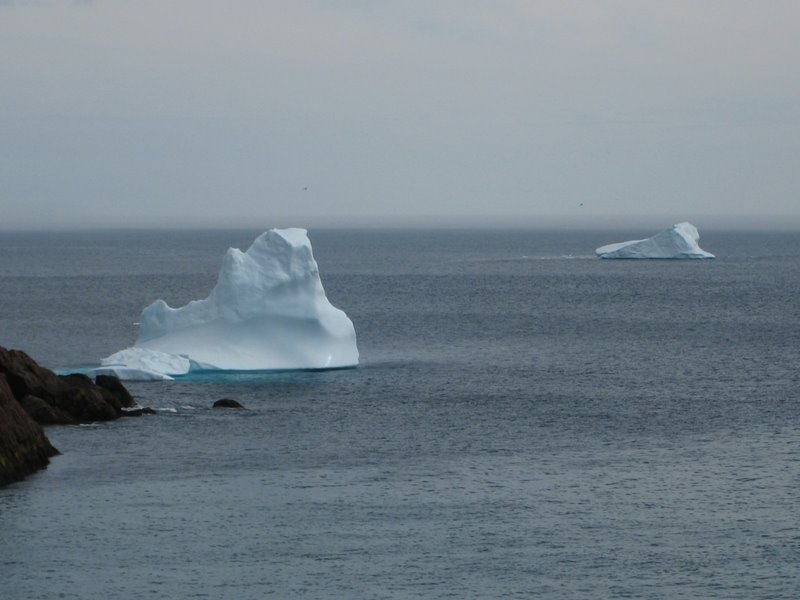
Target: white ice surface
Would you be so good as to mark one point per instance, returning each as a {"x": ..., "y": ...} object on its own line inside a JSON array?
[
  {"x": 268, "y": 311},
  {"x": 679, "y": 241},
  {"x": 145, "y": 359}
]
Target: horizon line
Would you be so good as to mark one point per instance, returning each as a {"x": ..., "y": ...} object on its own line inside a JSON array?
[{"x": 496, "y": 222}]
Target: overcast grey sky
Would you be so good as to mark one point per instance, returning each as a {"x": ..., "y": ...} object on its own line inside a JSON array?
[{"x": 265, "y": 113}]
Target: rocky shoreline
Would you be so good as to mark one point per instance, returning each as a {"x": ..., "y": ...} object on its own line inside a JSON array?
[{"x": 32, "y": 396}]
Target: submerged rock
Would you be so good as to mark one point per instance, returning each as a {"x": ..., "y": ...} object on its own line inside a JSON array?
[
  {"x": 137, "y": 412},
  {"x": 227, "y": 403}
]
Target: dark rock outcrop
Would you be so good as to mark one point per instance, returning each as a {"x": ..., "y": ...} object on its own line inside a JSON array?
[
  {"x": 85, "y": 401},
  {"x": 70, "y": 398},
  {"x": 114, "y": 385},
  {"x": 43, "y": 413},
  {"x": 226, "y": 403},
  {"x": 31, "y": 395},
  {"x": 23, "y": 445},
  {"x": 25, "y": 376}
]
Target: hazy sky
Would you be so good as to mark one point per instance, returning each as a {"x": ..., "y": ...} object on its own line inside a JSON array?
[{"x": 268, "y": 113}]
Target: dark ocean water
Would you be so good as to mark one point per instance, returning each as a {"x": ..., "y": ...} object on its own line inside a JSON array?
[{"x": 527, "y": 421}]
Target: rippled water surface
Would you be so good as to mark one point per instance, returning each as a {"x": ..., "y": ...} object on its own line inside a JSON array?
[{"x": 527, "y": 421}]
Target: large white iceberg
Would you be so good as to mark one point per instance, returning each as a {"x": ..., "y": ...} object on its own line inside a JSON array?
[
  {"x": 268, "y": 311},
  {"x": 679, "y": 241}
]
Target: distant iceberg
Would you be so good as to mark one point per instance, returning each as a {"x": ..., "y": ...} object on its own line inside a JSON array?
[
  {"x": 679, "y": 241},
  {"x": 268, "y": 311}
]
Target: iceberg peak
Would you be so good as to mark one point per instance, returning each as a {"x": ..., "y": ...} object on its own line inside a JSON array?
[
  {"x": 268, "y": 311},
  {"x": 679, "y": 241}
]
